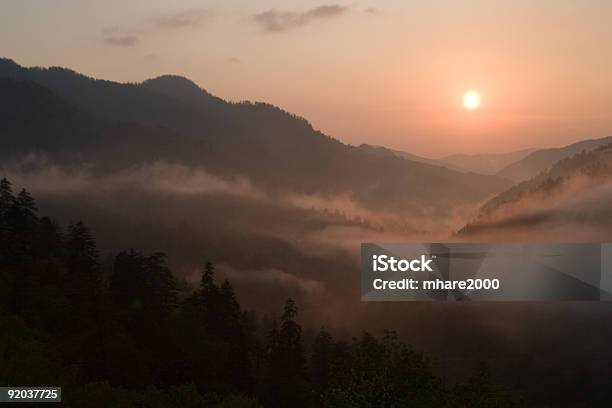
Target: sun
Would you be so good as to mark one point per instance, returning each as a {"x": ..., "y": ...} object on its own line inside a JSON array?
[{"x": 471, "y": 100}]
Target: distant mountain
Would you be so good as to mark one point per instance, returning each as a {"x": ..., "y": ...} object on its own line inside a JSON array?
[
  {"x": 540, "y": 160},
  {"x": 182, "y": 89},
  {"x": 171, "y": 119},
  {"x": 573, "y": 195},
  {"x": 387, "y": 152},
  {"x": 484, "y": 163}
]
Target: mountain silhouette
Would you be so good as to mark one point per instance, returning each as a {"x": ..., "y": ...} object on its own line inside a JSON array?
[
  {"x": 542, "y": 159},
  {"x": 182, "y": 89},
  {"x": 490, "y": 163},
  {"x": 486, "y": 163},
  {"x": 171, "y": 119},
  {"x": 387, "y": 152}
]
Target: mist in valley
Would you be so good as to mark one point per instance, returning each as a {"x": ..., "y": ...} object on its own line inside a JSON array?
[
  {"x": 272, "y": 246},
  {"x": 281, "y": 210}
]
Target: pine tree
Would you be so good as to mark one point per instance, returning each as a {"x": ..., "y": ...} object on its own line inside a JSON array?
[
  {"x": 161, "y": 286},
  {"x": 233, "y": 333},
  {"x": 7, "y": 209},
  {"x": 127, "y": 280},
  {"x": 7, "y": 199},
  {"x": 84, "y": 279},
  {"x": 82, "y": 251},
  {"x": 207, "y": 301},
  {"x": 24, "y": 221},
  {"x": 18, "y": 235},
  {"x": 27, "y": 206},
  {"x": 285, "y": 377},
  {"x": 320, "y": 364},
  {"x": 207, "y": 281},
  {"x": 230, "y": 310},
  {"x": 50, "y": 241},
  {"x": 290, "y": 338},
  {"x": 143, "y": 283},
  {"x": 9, "y": 275}
]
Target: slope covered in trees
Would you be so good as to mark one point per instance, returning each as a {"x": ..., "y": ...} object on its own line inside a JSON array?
[
  {"x": 540, "y": 160},
  {"x": 171, "y": 119},
  {"x": 133, "y": 335},
  {"x": 574, "y": 192},
  {"x": 485, "y": 163},
  {"x": 386, "y": 152}
]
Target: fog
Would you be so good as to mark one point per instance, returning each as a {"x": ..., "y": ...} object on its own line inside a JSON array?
[
  {"x": 307, "y": 247},
  {"x": 573, "y": 209}
]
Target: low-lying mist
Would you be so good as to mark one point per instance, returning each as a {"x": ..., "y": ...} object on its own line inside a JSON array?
[
  {"x": 570, "y": 209},
  {"x": 272, "y": 247}
]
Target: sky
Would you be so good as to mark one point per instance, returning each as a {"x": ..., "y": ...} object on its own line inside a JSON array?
[{"x": 386, "y": 72}]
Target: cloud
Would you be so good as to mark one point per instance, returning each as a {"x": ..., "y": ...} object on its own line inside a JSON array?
[
  {"x": 577, "y": 206},
  {"x": 373, "y": 11},
  {"x": 280, "y": 21},
  {"x": 117, "y": 37},
  {"x": 188, "y": 18},
  {"x": 43, "y": 175},
  {"x": 234, "y": 60},
  {"x": 128, "y": 40},
  {"x": 277, "y": 277}
]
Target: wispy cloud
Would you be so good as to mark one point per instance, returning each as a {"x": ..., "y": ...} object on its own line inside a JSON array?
[
  {"x": 373, "y": 11},
  {"x": 279, "y": 21},
  {"x": 187, "y": 18},
  {"x": 120, "y": 37},
  {"x": 128, "y": 40},
  {"x": 234, "y": 60}
]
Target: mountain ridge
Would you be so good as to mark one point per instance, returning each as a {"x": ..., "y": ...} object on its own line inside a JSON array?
[
  {"x": 485, "y": 163},
  {"x": 541, "y": 159},
  {"x": 388, "y": 152},
  {"x": 574, "y": 191},
  {"x": 275, "y": 149}
]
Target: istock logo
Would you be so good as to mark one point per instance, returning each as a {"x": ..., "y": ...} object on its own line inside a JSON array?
[{"x": 384, "y": 263}]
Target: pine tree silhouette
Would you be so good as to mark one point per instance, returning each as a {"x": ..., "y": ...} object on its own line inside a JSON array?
[
  {"x": 84, "y": 279},
  {"x": 320, "y": 363},
  {"x": 285, "y": 377}
]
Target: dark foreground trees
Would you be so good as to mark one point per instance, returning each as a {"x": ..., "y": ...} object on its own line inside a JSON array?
[{"x": 134, "y": 338}]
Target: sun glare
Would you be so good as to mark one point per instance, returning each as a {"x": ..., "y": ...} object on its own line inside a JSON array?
[{"x": 471, "y": 100}]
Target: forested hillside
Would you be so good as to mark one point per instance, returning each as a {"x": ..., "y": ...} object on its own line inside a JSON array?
[
  {"x": 574, "y": 192},
  {"x": 171, "y": 119},
  {"x": 542, "y": 159},
  {"x": 130, "y": 334}
]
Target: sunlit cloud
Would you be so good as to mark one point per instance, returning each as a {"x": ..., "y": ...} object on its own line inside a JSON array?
[{"x": 280, "y": 21}]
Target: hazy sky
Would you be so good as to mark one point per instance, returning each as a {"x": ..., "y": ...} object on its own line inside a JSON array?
[{"x": 389, "y": 72}]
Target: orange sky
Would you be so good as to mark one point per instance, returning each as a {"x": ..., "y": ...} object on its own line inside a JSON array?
[{"x": 385, "y": 72}]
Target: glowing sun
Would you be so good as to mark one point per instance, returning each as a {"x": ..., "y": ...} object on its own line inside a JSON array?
[{"x": 471, "y": 100}]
